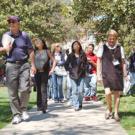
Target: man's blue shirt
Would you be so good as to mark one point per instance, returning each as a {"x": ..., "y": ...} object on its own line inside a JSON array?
[{"x": 22, "y": 44}]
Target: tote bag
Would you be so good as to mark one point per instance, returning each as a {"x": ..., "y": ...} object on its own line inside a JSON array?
[{"x": 60, "y": 71}]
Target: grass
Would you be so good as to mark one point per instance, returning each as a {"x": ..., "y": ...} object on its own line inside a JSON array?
[
  {"x": 5, "y": 112},
  {"x": 127, "y": 111}
]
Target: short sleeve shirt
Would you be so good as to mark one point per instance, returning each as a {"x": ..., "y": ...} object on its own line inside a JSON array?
[{"x": 21, "y": 45}]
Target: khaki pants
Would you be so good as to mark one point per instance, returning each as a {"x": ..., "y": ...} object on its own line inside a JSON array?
[{"x": 18, "y": 83}]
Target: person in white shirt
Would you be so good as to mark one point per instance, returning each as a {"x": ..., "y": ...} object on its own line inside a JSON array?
[{"x": 111, "y": 68}]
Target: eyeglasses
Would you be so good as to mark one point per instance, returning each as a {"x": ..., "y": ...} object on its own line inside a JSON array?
[{"x": 11, "y": 21}]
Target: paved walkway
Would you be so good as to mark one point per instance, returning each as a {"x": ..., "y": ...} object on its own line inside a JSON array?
[{"x": 63, "y": 120}]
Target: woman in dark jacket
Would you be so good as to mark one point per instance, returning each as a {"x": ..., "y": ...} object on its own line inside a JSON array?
[{"x": 76, "y": 65}]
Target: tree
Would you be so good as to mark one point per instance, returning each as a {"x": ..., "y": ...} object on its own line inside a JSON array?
[
  {"x": 42, "y": 18},
  {"x": 106, "y": 14}
]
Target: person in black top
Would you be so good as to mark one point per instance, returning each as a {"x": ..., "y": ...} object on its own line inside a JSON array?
[{"x": 76, "y": 66}]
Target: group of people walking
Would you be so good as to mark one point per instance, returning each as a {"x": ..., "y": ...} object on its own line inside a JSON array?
[{"x": 55, "y": 71}]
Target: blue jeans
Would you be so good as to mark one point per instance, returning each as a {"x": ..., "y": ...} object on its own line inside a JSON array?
[
  {"x": 67, "y": 87},
  {"x": 132, "y": 75},
  {"x": 64, "y": 86},
  {"x": 77, "y": 90},
  {"x": 90, "y": 85},
  {"x": 50, "y": 89},
  {"x": 69, "y": 90},
  {"x": 57, "y": 87}
]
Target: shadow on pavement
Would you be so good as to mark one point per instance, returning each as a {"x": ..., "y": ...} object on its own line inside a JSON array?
[{"x": 122, "y": 114}]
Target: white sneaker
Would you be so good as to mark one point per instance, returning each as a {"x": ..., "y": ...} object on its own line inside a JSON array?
[
  {"x": 69, "y": 103},
  {"x": 16, "y": 119},
  {"x": 25, "y": 115}
]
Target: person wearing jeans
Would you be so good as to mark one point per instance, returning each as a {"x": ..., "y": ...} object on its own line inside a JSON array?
[
  {"x": 90, "y": 83},
  {"x": 76, "y": 66},
  {"x": 57, "y": 77}
]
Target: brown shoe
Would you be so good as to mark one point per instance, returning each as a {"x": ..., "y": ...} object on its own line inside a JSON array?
[
  {"x": 116, "y": 117},
  {"x": 108, "y": 115}
]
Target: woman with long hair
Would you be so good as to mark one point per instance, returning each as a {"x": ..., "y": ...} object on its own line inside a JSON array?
[
  {"x": 76, "y": 66},
  {"x": 57, "y": 76},
  {"x": 42, "y": 57}
]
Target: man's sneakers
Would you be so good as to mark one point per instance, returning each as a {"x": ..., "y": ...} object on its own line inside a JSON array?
[
  {"x": 16, "y": 119},
  {"x": 94, "y": 98},
  {"x": 19, "y": 118},
  {"x": 90, "y": 98},
  {"x": 86, "y": 98},
  {"x": 25, "y": 116}
]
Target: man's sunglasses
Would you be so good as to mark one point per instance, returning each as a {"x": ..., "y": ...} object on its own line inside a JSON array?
[{"x": 11, "y": 21}]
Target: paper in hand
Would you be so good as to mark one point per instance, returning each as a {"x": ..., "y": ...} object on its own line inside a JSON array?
[{"x": 7, "y": 40}]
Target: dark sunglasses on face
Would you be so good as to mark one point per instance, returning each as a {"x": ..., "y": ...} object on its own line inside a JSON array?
[{"x": 11, "y": 21}]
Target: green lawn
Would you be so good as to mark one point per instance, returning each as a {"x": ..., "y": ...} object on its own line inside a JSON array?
[
  {"x": 5, "y": 112},
  {"x": 127, "y": 111}
]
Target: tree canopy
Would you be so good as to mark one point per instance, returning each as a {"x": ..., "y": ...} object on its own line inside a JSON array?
[
  {"x": 109, "y": 14},
  {"x": 58, "y": 21},
  {"x": 49, "y": 19}
]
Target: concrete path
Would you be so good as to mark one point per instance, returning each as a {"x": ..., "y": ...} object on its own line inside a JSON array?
[{"x": 61, "y": 119}]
